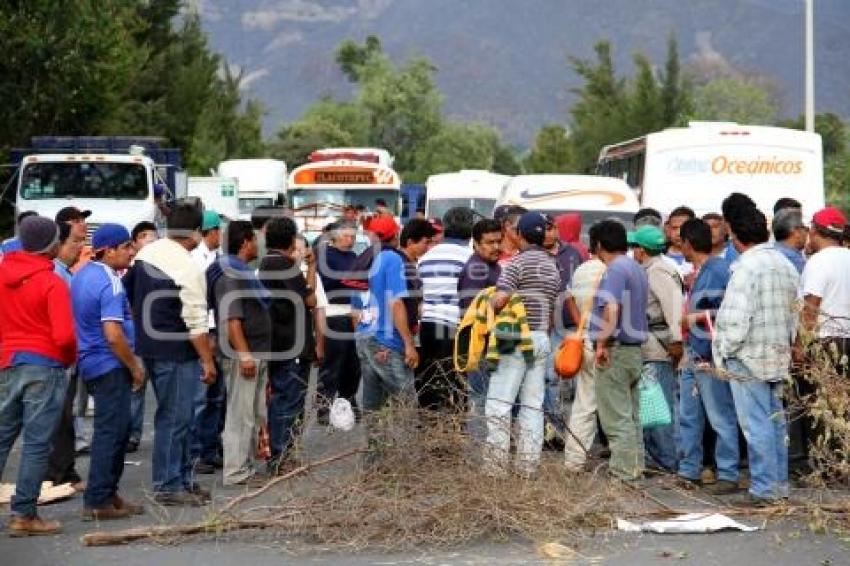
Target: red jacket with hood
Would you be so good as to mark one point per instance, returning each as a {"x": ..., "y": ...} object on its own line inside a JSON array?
[{"x": 35, "y": 310}]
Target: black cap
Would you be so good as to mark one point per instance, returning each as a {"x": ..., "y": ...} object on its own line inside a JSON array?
[{"x": 70, "y": 213}]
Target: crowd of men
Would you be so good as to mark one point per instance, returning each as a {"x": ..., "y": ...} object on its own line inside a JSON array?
[{"x": 226, "y": 323}]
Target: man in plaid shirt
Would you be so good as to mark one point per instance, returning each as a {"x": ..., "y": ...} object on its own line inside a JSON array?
[{"x": 755, "y": 327}]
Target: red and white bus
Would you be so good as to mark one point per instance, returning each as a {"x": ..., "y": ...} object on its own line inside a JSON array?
[{"x": 318, "y": 191}]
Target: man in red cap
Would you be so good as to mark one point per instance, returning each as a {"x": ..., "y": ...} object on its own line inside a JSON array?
[{"x": 825, "y": 285}]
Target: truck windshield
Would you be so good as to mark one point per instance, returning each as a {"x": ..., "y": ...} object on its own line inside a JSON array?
[
  {"x": 301, "y": 199},
  {"x": 74, "y": 179}
]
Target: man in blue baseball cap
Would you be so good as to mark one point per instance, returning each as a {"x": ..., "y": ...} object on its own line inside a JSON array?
[
  {"x": 107, "y": 365},
  {"x": 533, "y": 277}
]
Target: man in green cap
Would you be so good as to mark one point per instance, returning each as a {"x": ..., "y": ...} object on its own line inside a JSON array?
[
  {"x": 208, "y": 249},
  {"x": 205, "y": 442},
  {"x": 663, "y": 348}
]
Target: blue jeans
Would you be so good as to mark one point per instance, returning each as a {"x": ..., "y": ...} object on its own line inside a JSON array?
[
  {"x": 289, "y": 381},
  {"x": 765, "y": 425},
  {"x": 209, "y": 407},
  {"x": 175, "y": 385},
  {"x": 382, "y": 380},
  {"x": 513, "y": 375},
  {"x": 31, "y": 399},
  {"x": 701, "y": 396},
  {"x": 111, "y": 392},
  {"x": 660, "y": 442},
  {"x": 478, "y": 382},
  {"x": 552, "y": 396},
  {"x": 137, "y": 411}
]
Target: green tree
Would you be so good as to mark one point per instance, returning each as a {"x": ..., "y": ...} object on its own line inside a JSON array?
[
  {"x": 327, "y": 123},
  {"x": 832, "y": 129},
  {"x": 456, "y": 147},
  {"x": 553, "y": 151},
  {"x": 735, "y": 100},
  {"x": 66, "y": 66},
  {"x": 228, "y": 126},
  {"x": 675, "y": 87},
  {"x": 352, "y": 57},
  {"x": 598, "y": 116}
]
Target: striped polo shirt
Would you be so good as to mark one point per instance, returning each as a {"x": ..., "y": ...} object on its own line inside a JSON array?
[
  {"x": 533, "y": 275},
  {"x": 440, "y": 270}
]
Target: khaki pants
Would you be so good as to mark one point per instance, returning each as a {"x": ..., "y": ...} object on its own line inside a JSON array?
[
  {"x": 582, "y": 424},
  {"x": 618, "y": 403},
  {"x": 246, "y": 413}
]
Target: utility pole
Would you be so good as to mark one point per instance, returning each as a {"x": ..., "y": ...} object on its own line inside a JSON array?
[{"x": 809, "y": 97}]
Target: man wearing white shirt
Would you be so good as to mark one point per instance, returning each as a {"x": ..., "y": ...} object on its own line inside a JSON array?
[
  {"x": 825, "y": 286},
  {"x": 674, "y": 254}
]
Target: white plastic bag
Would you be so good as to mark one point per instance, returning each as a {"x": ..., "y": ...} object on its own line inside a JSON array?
[{"x": 342, "y": 415}]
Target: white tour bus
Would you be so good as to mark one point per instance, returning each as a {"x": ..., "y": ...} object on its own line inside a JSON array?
[
  {"x": 700, "y": 165},
  {"x": 319, "y": 190},
  {"x": 594, "y": 197},
  {"x": 474, "y": 188}
]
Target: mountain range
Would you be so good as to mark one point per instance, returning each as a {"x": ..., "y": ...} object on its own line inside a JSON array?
[{"x": 505, "y": 62}]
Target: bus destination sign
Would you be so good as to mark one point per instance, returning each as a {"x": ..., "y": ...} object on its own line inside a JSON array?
[{"x": 366, "y": 177}]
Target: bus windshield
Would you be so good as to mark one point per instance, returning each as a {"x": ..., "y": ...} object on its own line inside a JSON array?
[
  {"x": 337, "y": 198},
  {"x": 483, "y": 206},
  {"x": 74, "y": 179}
]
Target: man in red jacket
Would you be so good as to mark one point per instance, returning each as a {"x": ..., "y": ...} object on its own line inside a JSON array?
[{"x": 37, "y": 343}]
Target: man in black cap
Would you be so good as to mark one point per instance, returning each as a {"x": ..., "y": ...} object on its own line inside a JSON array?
[{"x": 76, "y": 218}]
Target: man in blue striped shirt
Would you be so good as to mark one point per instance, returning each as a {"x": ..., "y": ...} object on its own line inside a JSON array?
[{"x": 440, "y": 270}]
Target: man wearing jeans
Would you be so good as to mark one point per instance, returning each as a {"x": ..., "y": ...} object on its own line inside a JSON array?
[
  {"x": 291, "y": 311},
  {"x": 37, "y": 344},
  {"x": 755, "y": 326},
  {"x": 619, "y": 329},
  {"x": 107, "y": 365},
  {"x": 167, "y": 292},
  {"x": 388, "y": 357},
  {"x": 534, "y": 277},
  {"x": 703, "y": 396},
  {"x": 663, "y": 347},
  {"x": 482, "y": 270}
]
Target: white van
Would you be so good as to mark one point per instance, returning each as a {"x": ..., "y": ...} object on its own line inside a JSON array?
[
  {"x": 594, "y": 197},
  {"x": 474, "y": 188}
]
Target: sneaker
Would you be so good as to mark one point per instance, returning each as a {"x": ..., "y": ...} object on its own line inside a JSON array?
[
  {"x": 105, "y": 513},
  {"x": 132, "y": 446},
  {"x": 721, "y": 487},
  {"x": 132, "y": 508},
  {"x": 32, "y": 526}
]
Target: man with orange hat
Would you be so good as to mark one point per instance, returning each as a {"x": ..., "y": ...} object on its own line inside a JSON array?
[{"x": 825, "y": 286}]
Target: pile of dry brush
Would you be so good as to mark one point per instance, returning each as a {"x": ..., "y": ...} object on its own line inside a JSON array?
[{"x": 418, "y": 482}]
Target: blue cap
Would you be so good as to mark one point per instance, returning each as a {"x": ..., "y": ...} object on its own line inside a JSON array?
[
  {"x": 532, "y": 226},
  {"x": 109, "y": 236}
]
